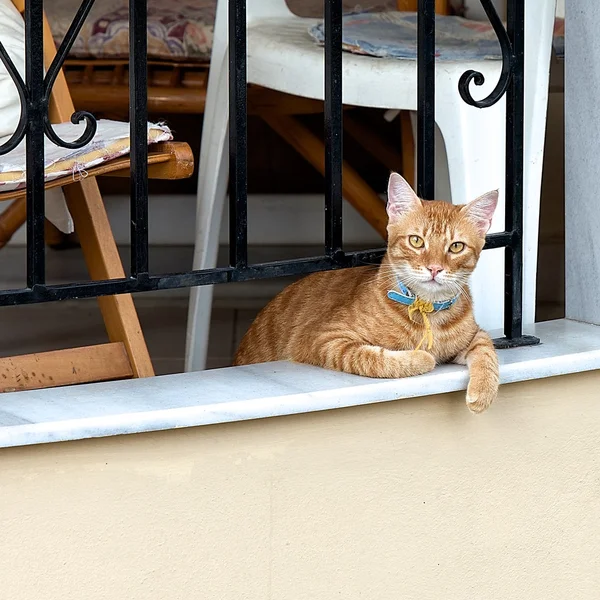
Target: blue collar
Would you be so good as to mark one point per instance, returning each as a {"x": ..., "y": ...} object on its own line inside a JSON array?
[{"x": 406, "y": 297}]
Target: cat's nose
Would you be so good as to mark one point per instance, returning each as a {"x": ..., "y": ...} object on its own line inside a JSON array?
[{"x": 434, "y": 270}]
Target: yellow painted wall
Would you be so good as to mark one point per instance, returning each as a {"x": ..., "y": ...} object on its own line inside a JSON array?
[{"x": 410, "y": 500}]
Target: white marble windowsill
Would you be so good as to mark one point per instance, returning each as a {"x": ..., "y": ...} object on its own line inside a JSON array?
[{"x": 260, "y": 391}]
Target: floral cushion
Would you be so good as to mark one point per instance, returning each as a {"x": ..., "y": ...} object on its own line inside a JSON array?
[
  {"x": 178, "y": 30},
  {"x": 394, "y": 35}
]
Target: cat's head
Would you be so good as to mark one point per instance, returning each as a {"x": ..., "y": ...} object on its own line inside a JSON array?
[{"x": 434, "y": 246}]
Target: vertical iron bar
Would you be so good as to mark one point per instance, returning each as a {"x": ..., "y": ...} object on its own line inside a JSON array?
[
  {"x": 238, "y": 136},
  {"x": 138, "y": 119},
  {"x": 513, "y": 287},
  {"x": 333, "y": 127},
  {"x": 426, "y": 99},
  {"x": 34, "y": 71}
]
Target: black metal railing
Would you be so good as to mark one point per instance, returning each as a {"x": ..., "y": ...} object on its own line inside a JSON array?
[{"x": 34, "y": 124}]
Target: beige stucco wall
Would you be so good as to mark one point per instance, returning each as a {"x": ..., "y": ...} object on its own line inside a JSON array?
[{"x": 410, "y": 500}]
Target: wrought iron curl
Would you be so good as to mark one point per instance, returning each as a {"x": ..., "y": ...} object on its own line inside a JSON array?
[
  {"x": 19, "y": 134},
  {"x": 85, "y": 138},
  {"x": 91, "y": 124},
  {"x": 477, "y": 78}
]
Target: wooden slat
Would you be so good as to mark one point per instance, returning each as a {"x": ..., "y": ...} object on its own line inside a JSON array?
[
  {"x": 102, "y": 259},
  {"x": 104, "y": 362},
  {"x": 152, "y": 63},
  {"x": 100, "y": 98}
]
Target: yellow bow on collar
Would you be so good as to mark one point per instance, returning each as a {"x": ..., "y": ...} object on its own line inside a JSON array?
[{"x": 424, "y": 308}]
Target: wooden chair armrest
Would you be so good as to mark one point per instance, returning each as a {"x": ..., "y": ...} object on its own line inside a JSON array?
[{"x": 167, "y": 160}]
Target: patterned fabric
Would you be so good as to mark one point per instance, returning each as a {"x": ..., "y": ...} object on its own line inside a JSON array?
[
  {"x": 110, "y": 142},
  {"x": 394, "y": 35},
  {"x": 182, "y": 30},
  {"x": 177, "y": 29}
]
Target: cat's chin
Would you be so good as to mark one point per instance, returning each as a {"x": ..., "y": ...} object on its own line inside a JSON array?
[{"x": 433, "y": 291}]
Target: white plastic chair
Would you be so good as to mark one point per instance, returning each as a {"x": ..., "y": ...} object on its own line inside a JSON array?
[{"x": 282, "y": 56}]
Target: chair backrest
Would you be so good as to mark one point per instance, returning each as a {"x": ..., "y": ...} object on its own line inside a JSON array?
[{"x": 61, "y": 103}]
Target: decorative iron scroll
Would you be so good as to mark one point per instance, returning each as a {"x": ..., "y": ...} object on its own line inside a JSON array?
[
  {"x": 49, "y": 80},
  {"x": 65, "y": 47},
  {"x": 19, "y": 133},
  {"x": 507, "y": 64}
]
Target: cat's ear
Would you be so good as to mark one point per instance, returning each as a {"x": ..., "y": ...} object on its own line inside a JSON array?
[
  {"x": 481, "y": 210},
  {"x": 401, "y": 198}
]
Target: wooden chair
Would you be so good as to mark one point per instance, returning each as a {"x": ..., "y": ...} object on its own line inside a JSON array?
[{"x": 126, "y": 354}]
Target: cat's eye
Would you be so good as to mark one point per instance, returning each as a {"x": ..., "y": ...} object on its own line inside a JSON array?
[
  {"x": 456, "y": 247},
  {"x": 416, "y": 241}
]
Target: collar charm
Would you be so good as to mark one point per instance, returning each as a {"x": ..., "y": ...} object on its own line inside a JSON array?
[{"x": 404, "y": 296}]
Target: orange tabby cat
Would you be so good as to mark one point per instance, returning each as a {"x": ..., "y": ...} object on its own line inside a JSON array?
[{"x": 397, "y": 319}]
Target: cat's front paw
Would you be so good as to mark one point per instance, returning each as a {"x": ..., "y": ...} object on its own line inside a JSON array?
[
  {"x": 420, "y": 362},
  {"x": 481, "y": 392}
]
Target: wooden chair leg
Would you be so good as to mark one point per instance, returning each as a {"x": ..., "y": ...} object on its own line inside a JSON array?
[
  {"x": 102, "y": 257},
  {"x": 11, "y": 219},
  {"x": 354, "y": 188}
]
